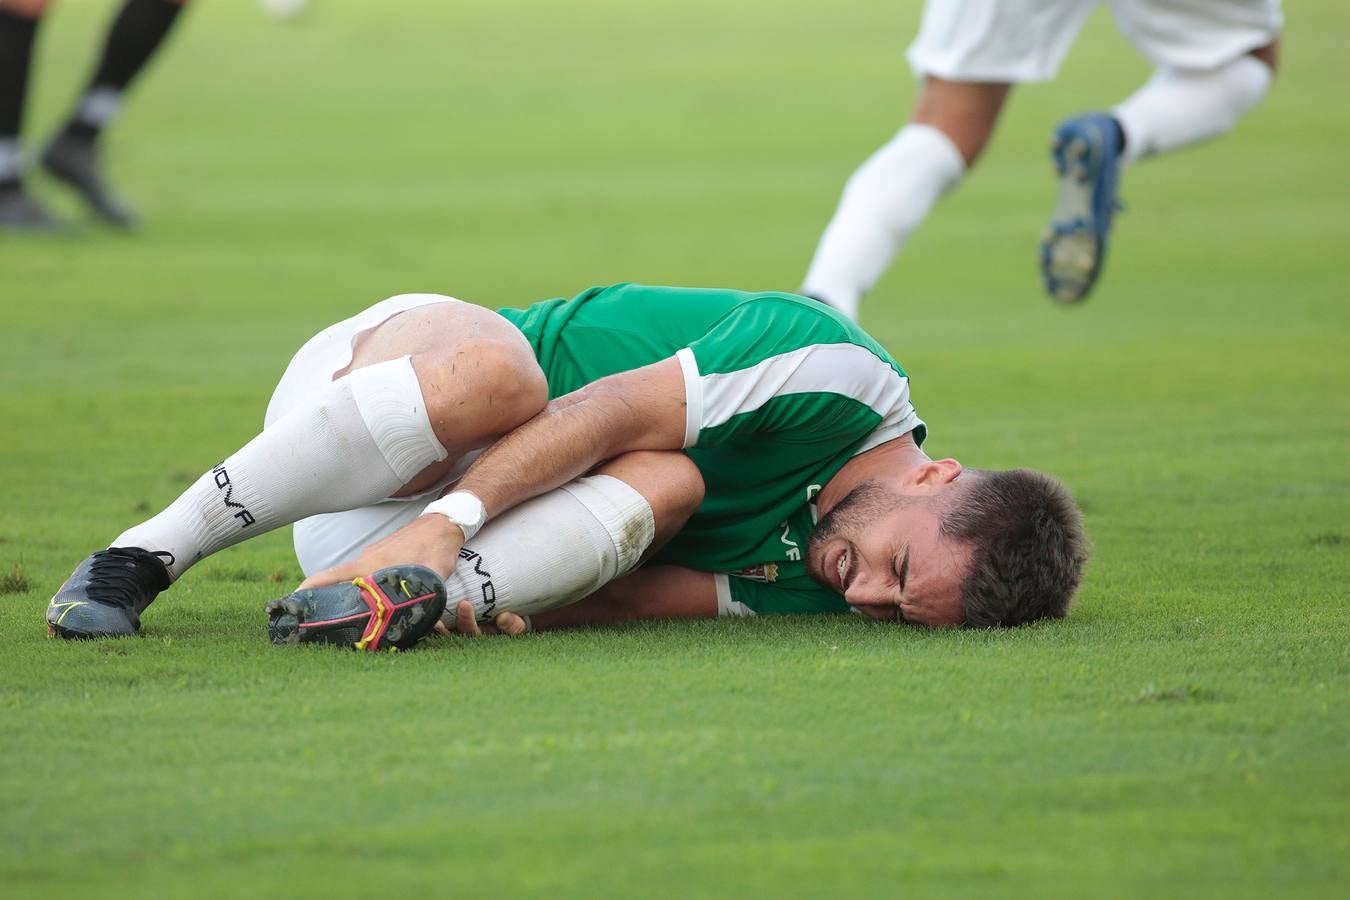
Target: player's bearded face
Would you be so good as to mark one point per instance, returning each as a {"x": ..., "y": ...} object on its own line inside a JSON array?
[
  {"x": 859, "y": 508},
  {"x": 884, "y": 552},
  {"x": 850, "y": 518}
]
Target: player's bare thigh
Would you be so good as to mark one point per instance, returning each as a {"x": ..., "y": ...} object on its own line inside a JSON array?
[{"x": 478, "y": 375}]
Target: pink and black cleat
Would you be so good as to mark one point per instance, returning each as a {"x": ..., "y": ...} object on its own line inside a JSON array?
[{"x": 391, "y": 609}]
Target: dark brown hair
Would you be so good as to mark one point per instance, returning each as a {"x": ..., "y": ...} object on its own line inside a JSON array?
[{"x": 1029, "y": 543}]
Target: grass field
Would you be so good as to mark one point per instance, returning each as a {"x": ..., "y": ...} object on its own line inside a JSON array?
[{"x": 1185, "y": 733}]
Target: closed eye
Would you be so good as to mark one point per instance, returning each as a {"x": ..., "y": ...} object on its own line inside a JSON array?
[{"x": 902, "y": 571}]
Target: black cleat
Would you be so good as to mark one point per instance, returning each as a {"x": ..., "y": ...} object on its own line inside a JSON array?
[
  {"x": 20, "y": 211},
  {"x": 395, "y": 608},
  {"x": 75, "y": 160},
  {"x": 107, "y": 594}
]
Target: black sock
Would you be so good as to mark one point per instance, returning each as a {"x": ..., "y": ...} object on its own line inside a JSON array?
[
  {"x": 137, "y": 31},
  {"x": 16, "y": 49}
]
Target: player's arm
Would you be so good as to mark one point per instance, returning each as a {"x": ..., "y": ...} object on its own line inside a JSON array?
[
  {"x": 657, "y": 592},
  {"x": 642, "y": 409}
]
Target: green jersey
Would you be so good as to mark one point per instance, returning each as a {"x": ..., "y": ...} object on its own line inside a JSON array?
[{"x": 781, "y": 392}]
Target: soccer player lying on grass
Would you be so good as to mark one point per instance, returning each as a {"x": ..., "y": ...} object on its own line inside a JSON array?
[{"x": 785, "y": 411}]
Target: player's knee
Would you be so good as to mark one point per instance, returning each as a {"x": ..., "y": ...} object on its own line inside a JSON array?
[
  {"x": 511, "y": 377},
  {"x": 684, "y": 482},
  {"x": 485, "y": 386},
  {"x": 667, "y": 479}
]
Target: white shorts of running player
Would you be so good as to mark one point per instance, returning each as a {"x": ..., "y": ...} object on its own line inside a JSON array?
[
  {"x": 1026, "y": 40},
  {"x": 326, "y": 540}
]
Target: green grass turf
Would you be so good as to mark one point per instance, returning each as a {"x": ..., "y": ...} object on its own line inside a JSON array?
[{"x": 1185, "y": 732}]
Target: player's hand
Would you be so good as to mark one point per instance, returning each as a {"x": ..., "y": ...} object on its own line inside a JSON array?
[
  {"x": 431, "y": 541},
  {"x": 466, "y": 623}
]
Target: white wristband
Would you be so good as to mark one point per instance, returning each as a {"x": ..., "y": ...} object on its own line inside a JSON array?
[{"x": 462, "y": 508}]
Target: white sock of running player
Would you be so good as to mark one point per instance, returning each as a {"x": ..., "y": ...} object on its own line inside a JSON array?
[
  {"x": 883, "y": 202},
  {"x": 10, "y": 159},
  {"x": 1178, "y": 107},
  {"x": 554, "y": 549},
  {"x": 362, "y": 438}
]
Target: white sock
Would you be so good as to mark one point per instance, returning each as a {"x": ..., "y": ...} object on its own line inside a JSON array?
[
  {"x": 883, "y": 202},
  {"x": 553, "y": 550},
  {"x": 10, "y": 158},
  {"x": 99, "y": 107},
  {"x": 362, "y": 438},
  {"x": 1183, "y": 106}
]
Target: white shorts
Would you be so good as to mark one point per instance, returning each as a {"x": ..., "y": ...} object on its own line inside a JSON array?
[
  {"x": 326, "y": 540},
  {"x": 1026, "y": 40}
]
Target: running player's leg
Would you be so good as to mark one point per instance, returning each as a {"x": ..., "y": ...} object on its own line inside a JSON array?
[
  {"x": 968, "y": 53},
  {"x": 1215, "y": 64},
  {"x": 18, "y": 28},
  {"x": 1180, "y": 107},
  {"x": 380, "y": 405},
  {"x": 890, "y": 195},
  {"x": 135, "y": 34}
]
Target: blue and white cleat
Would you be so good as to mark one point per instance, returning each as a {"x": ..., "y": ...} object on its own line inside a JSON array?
[{"x": 1086, "y": 153}]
